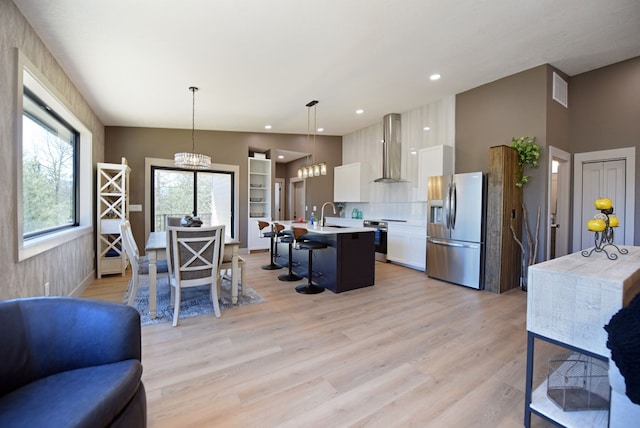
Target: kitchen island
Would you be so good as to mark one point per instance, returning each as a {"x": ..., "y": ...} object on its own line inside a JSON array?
[{"x": 347, "y": 263}]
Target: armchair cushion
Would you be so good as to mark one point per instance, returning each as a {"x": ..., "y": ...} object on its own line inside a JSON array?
[{"x": 69, "y": 362}]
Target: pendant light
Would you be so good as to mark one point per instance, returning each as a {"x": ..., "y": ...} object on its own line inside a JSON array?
[
  {"x": 318, "y": 169},
  {"x": 192, "y": 160}
]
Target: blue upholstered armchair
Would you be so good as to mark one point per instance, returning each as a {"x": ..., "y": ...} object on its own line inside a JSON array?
[{"x": 70, "y": 362}]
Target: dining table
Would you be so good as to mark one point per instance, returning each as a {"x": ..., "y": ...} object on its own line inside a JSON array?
[{"x": 156, "y": 249}]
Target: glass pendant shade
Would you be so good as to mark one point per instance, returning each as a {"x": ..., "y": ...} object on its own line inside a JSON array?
[
  {"x": 192, "y": 160},
  {"x": 323, "y": 168}
]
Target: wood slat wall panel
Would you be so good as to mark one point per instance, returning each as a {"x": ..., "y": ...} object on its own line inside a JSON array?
[{"x": 504, "y": 200}]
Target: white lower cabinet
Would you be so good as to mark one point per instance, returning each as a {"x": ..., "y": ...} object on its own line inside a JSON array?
[{"x": 407, "y": 245}]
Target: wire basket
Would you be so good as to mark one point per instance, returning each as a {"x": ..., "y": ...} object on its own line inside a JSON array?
[{"x": 578, "y": 382}]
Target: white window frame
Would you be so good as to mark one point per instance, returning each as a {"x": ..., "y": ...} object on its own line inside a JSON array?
[{"x": 29, "y": 76}]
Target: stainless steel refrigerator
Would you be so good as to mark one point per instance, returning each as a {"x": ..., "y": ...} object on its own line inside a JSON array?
[{"x": 455, "y": 228}]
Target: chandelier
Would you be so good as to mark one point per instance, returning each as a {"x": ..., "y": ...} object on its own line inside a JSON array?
[
  {"x": 192, "y": 160},
  {"x": 316, "y": 169}
]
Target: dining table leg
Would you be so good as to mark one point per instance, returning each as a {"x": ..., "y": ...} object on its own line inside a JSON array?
[{"x": 234, "y": 274}]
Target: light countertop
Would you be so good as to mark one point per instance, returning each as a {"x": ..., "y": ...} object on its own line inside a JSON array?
[
  {"x": 326, "y": 230},
  {"x": 413, "y": 223}
]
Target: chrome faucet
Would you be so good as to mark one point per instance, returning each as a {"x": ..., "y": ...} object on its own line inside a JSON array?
[{"x": 322, "y": 212}]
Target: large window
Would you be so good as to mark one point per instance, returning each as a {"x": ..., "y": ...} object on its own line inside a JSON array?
[
  {"x": 49, "y": 169},
  {"x": 54, "y": 203},
  {"x": 206, "y": 194}
]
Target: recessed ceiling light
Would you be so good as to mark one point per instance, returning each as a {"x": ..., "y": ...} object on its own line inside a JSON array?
[
  {"x": 267, "y": 127},
  {"x": 280, "y": 157},
  {"x": 413, "y": 151},
  {"x": 359, "y": 111},
  {"x": 434, "y": 76},
  {"x": 426, "y": 128},
  {"x": 320, "y": 129}
]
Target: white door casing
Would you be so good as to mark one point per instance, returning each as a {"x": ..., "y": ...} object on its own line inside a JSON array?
[
  {"x": 559, "y": 196},
  {"x": 297, "y": 188},
  {"x": 278, "y": 199},
  {"x": 583, "y": 208}
]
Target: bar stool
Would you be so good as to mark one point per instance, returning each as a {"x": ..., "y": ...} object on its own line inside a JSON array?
[
  {"x": 287, "y": 238},
  {"x": 271, "y": 234},
  {"x": 310, "y": 246}
]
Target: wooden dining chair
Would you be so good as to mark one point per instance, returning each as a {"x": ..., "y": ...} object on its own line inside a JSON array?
[
  {"x": 139, "y": 264},
  {"x": 195, "y": 262}
]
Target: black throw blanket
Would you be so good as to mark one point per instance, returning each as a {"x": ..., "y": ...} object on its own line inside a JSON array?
[{"x": 624, "y": 343}]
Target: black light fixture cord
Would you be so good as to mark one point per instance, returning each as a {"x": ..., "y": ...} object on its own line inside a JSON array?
[
  {"x": 313, "y": 148},
  {"x": 193, "y": 90}
]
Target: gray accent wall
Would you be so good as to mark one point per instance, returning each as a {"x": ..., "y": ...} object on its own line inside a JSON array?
[
  {"x": 490, "y": 115},
  {"x": 604, "y": 109},
  {"x": 70, "y": 266},
  {"x": 602, "y": 114}
]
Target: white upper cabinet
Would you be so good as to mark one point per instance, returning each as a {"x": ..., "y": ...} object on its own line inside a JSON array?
[
  {"x": 350, "y": 183},
  {"x": 437, "y": 160}
]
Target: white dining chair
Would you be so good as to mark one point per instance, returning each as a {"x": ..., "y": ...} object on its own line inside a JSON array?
[
  {"x": 226, "y": 265},
  {"x": 195, "y": 262},
  {"x": 170, "y": 222},
  {"x": 139, "y": 264}
]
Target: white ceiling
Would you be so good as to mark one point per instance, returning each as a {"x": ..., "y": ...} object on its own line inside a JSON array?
[{"x": 259, "y": 62}]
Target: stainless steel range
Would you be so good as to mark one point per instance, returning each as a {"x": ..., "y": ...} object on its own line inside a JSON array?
[{"x": 380, "y": 237}]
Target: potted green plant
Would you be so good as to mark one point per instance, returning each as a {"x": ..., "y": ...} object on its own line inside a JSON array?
[{"x": 528, "y": 156}]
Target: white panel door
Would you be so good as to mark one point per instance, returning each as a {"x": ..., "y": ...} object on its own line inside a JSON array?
[{"x": 603, "y": 180}]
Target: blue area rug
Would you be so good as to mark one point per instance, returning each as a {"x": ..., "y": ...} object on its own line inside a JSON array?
[{"x": 195, "y": 300}]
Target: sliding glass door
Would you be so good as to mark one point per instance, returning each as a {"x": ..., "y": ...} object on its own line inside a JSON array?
[{"x": 206, "y": 194}]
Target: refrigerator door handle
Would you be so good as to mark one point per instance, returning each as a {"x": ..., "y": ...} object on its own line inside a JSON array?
[
  {"x": 452, "y": 244},
  {"x": 447, "y": 208},
  {"x": 454, "y": 200}
]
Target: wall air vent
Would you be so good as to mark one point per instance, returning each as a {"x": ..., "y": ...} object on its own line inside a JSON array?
[{"x": 560, "y": 90}]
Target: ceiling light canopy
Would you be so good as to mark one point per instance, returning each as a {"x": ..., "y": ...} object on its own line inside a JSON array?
[{"x": 192, "y": 160}]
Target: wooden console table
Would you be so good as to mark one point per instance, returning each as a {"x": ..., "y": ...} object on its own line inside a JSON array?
[{"x": 569, "y": 301}]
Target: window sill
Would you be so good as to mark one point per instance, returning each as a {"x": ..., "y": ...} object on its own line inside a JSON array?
[{"x": 39, "y": 245}]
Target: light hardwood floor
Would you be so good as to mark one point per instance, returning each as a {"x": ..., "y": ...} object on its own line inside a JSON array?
[{"x": 408, "y": 352}]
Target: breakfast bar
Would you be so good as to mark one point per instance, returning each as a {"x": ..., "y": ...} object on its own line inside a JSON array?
[{"x": 346, "y": 264}]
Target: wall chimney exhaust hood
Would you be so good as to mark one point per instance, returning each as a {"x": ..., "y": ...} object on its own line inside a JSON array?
[{"x": 391, "y": 149}]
